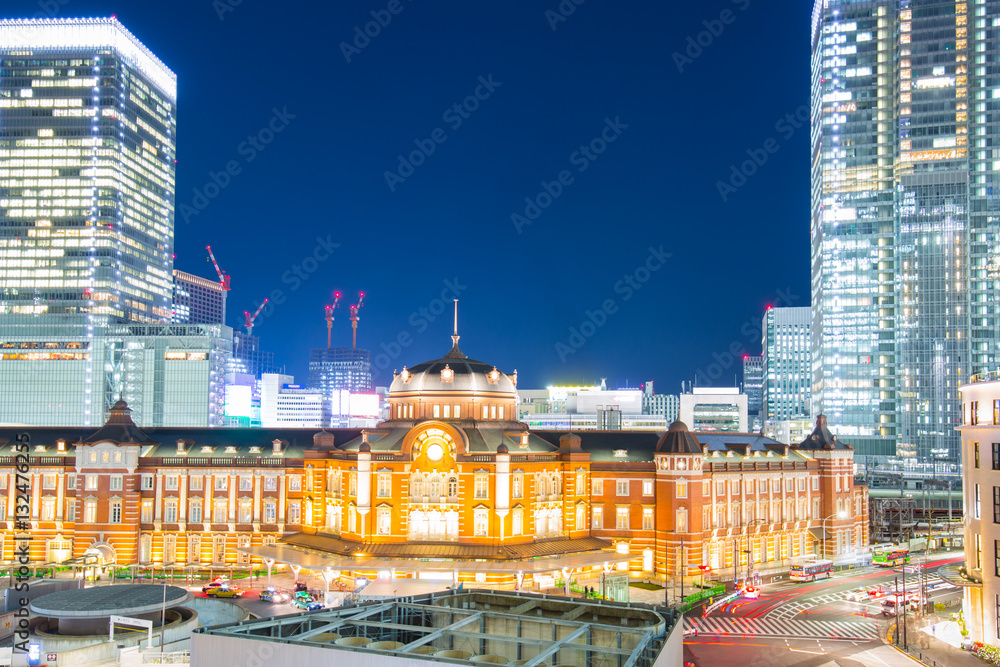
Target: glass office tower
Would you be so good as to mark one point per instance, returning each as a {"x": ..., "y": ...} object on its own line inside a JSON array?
[
  {"x": 904, "y": 216},
  {"x": 87, "y": 152},
  {"x": 787, "y": 376}
]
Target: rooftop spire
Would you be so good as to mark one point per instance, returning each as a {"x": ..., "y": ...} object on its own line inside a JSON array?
[{"x": 455, "y": 352}]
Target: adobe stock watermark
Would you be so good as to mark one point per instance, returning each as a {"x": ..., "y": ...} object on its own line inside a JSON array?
[
  {"x": 627, "y": 286},
  {"x": 299, "y": 273},
  {"x": 419, "y": 320},
  {"x": 581, "y": 158},
  {"x": 696, "y": 44},
  {"x": 750, "y": 331},
  {"x": 758, "y": 157},
  {"x": 223, "y": 7},
  {"x": 248, "y": 149},
  {"x": 22, "y": 538},
  {"x": 454, "y": 115},
  {"x": 363, "y": 35},
  {"x": 562, "y": 12}
]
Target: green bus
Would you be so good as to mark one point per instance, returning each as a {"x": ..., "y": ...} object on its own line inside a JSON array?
[{"x": 891, "y": 557}]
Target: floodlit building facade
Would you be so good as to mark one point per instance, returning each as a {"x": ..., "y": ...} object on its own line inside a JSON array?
[
  {"x": 451, "y": 475},
  {"x": 904, "y": 217},
  {"x": 198, "y": 300},
  {"x": 787, "y": 367},
  {"x": 980, "y": 576},
  {"x": 88, "y": 123}
]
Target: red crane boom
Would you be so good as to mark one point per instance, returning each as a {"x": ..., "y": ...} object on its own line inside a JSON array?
[
  {"x": 329, "y": 317},
  {"x": 250, "y": 318},
  {"x": 355, "y": 318},
  {"x": 223, "y": 278}
]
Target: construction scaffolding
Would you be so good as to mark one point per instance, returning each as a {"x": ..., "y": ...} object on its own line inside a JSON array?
[{"x": 892, "y": 520}]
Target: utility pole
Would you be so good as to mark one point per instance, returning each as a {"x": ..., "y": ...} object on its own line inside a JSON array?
[{"x": 895, "y": 594}]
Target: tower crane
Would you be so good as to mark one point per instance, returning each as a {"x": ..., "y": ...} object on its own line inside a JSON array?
[
  {"x": 354, "y": 319},
  {"x": 250, "y": 318},
  {"x": 223, "y": 278},
  {"x": 329, "y": 317}
]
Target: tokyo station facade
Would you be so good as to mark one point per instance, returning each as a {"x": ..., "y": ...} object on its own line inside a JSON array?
[{"x": 450, "y": 482}]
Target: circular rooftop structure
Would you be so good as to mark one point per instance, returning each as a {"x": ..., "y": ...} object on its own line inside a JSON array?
[
  {"x": 453, "y": 375},
  {"x": 104, "y": 601}
]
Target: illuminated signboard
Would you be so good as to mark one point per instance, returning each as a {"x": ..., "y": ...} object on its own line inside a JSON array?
[{"x": 237, "y": 400}]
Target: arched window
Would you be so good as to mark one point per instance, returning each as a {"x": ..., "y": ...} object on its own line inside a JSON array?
[
  {"x": 543, "y": 486},
  {"x": 434, "y": 487},
  {"x": 453, "y": 487},
  {"x": 417, "y": 487},
  {"x": 556, "y": 484}
]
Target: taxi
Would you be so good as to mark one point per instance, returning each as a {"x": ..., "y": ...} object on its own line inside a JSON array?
[
  {"x": 751, "y": 593},
  {"x": 224, "y": 591}
]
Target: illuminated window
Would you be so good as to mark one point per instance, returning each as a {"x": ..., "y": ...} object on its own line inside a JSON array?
[
  {"x": 270, "y": 483},
  {"x": 383, "y": 524},
  {"x": 517, "y": 521},
  {"x": 246, "y": 483},
  {"x": 246, "y": 512},
  {"x": 647, "y": 488},
  {"x": 221, "y": 482},
  {"x": 170, "y": 482},
  {"x": 481, "y": 486},
  {"x": 384, "y": 489},
  {"x": 517, "y": 482},
  {"x": 682, "y": 489},
  {"x": 169, "y": 512},
  {"x": 621, "y": 518},
  {"x": 294, "y": 512},
  {"x": 116, "y": 482},
  {"x": 647, "y": 518},
  {"x": 194, "y": 514},
  {"x": 91, "y": 483},
  {"x": 90, "y": 511},
  {"x": 597, "y": 487},
  {"x": 621, "y": 487},
  {"x": 270, "y": 514},
  {"x": 480, "y": 521},
  {"x": 597, "y": 518}
]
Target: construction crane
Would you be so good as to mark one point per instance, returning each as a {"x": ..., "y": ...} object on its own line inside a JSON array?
[
  {"x": 223, "y": 278},
  {"x": 329, "y": 317},
  {"x": 354, "y": 320},
  {"x": 250, "y": 318}
]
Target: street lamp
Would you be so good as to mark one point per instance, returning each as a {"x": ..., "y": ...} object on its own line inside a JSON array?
[
  {"x": 683, "y": 568},
  {"x": 839, "y": 515},
  {"x": 748, "y": 550}
]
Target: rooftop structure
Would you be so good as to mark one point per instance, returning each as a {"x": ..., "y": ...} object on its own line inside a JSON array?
[{"x": 455, "y": 627}]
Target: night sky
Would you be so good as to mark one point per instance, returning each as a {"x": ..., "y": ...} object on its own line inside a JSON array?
[{"x": 628, "y": 121}]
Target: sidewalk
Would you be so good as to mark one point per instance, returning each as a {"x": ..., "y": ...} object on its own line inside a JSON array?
[{"x": 936, "y": 641}]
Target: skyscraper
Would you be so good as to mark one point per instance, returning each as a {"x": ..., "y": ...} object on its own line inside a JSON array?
[
  {"x": 904, "y": 219},
  {"x": 753, "y": 387},
  {"x": 87, "y": 152},
  {"x": 787, "y": 368}
]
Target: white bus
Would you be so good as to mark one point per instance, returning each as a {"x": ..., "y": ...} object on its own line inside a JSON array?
[{"x": 811, "y": 570}]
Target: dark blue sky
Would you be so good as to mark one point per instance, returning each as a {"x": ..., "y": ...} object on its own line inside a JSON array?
[{"x": 608, "y": 67}]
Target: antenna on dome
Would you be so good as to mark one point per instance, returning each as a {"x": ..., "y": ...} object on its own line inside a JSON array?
[{"x": 455, "y": 352}]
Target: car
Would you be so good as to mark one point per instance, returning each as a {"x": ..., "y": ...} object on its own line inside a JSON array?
[
  {"x": 215, "y": 583},
  {"x": 858, "y": 595},
  {"x": 305, "y": 601},
  {"x": 875, "y": 592},
  {"x": 751, "y": 593},
  {"x": 224, "y": 592},
  {"x": 272, "y": 594}
]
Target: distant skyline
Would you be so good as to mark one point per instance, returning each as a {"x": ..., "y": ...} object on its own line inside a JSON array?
[{"x": 628, "y": 136}]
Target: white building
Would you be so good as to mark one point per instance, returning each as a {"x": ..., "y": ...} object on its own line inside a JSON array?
[
  {"x": 587, "y": 408},
  {"x": 980, "y": 430},
  {"x": 714, "y": 409},
  {"x": 284, "y": 404}
]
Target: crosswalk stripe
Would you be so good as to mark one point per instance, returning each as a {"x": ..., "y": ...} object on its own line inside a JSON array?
[{"x": 781, "y": 628}]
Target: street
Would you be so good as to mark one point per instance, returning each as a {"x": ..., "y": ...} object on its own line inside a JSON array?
[{"x": 794, "y": 623}]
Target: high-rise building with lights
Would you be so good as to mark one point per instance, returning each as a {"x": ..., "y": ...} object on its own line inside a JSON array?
[
  {"x": 787, "y": 368},
  {"x": 198, "y": 300},
  {"x": 753, "y": 387},
  {"x": 904, "y": 221},
  {"x": 87, "y": 152}
]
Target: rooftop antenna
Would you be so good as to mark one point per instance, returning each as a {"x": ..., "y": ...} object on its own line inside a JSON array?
[{"x": 455, "y": 352}]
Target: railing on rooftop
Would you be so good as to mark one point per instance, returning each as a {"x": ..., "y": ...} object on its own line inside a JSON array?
[{"x": 988, "y": 376}]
